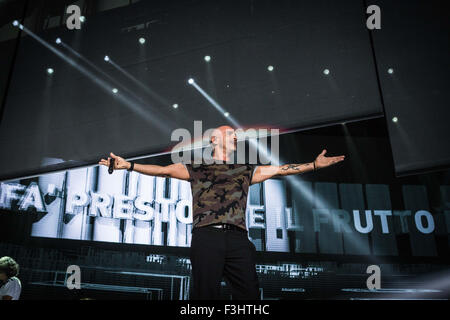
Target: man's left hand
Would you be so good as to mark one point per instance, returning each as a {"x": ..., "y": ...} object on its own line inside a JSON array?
[{"x": 322, "y": 161}]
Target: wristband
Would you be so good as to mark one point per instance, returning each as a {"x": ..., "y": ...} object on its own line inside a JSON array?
[{"x": 131, "y": 167}]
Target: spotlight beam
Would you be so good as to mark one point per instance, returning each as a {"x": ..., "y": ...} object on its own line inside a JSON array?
[
  {"x": 101, "y": 72},
  {"x": 435, "y": 284},
  {"x": 138, "y": 109},
  {"x": 211, "y": 86},
  {"x": 215, "y": 104},
  {"x": 147, "y": 90},
  {"x": 85, "y": 60}
]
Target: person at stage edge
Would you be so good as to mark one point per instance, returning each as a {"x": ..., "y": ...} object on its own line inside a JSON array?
[{"x": 10, "y": 286}]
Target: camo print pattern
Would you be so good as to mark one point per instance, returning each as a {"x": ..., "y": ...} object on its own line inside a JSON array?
[{"x": 219, "y": 193}]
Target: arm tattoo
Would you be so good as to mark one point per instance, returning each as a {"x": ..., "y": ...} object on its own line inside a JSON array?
[
  {"x": 295, "y": 168},
  {"x": 291, "y": 167}
]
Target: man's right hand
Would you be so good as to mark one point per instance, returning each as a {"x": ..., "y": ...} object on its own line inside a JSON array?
[
  {"x": 177, "y": 170},
  {"x": 119, "y": 163}
]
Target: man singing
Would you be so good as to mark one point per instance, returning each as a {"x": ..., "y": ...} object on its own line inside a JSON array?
[{"x": 220, "y": 246}]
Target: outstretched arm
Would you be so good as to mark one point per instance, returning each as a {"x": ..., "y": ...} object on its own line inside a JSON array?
[
  {"x": 262, "y": 173},
  {"x": 177, "y": 170}
]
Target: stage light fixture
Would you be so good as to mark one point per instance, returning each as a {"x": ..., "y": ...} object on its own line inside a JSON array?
[
  {"x": 106, "y": 58},
  {"x": 50, "y": 71},
  {"x": 390, "y": 71},
  {"x": 15, "y": 23},
  {"x": 82, "y": 18},
  {"x": 395, "y": 119},
  {"x": 58, "y": 40},
  {"x": 142, "y": 41},
  {"x": 115, "y": 90},
  {"x": 326, "y": 72},
  {"x": 207, "y": 58},
  {"x": 175, "y": 106},
  {"x": 270, "y": 68},
  {"x": 191, "y": 81},
  {"x": 226, "y": 114}
]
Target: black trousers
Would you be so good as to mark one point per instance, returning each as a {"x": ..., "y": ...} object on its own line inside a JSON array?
[{"x": 216, "y": 254}]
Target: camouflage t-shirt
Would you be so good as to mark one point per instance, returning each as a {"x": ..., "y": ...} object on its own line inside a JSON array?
[{"x": 219, "y": 193}]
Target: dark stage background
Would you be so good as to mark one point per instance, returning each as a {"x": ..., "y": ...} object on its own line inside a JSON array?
[
  {"x": 300, "y": 39},
  {"x": 414, "y": 43}
]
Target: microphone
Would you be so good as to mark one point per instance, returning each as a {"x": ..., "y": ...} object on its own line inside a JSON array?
[{"x": 111, "y": 166}]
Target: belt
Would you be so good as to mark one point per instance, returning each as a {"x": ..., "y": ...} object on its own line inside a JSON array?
[{"x": 227, "y": 226}]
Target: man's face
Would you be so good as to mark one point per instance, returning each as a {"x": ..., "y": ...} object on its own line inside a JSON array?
[
  {"x": 231, "y": 140},
  {"x": 225, "y": 138},
  {"x": 3, "y": 277}
]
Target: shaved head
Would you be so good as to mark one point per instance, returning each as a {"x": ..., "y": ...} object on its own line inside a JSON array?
[
  {"x": 224, "y": 140},
  {"x": 221, "y": 131}
]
